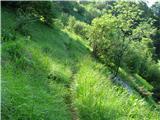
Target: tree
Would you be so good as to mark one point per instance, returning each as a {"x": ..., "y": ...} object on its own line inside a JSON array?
[
  {"x": 156, "y": 11},
  {"x": 117, "y": 38},
  {"x": 108, "y": 40},
  {"x": 33, "y": 8}
]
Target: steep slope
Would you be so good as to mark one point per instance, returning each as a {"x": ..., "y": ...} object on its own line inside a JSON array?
[
  {"x": 50, "y": 75},
  {"x": 36, "y": 71},
  {"x": 96, "y": 96}
]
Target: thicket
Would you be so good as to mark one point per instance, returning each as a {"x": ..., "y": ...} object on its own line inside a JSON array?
[
  {"x": 78, "y": 27},
  {"x": 123, "y": 38},
  {"x": 96, "y": 97},
  {"x": 28, "y": 90},
  {"x": 156, "y": 15},
  {"x": 41, "y": 11}
]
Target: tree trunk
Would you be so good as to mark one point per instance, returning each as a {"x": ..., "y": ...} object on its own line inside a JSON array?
[{"x": 94, "y": 53}]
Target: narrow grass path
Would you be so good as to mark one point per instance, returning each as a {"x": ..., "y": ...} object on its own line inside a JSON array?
[
  {"x": 72, "y": 108},
  {"x": 69, "y": 98}
]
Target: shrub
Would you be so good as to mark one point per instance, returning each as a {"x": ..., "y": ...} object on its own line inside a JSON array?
[
  {"x": 44, "y": 9},
  {"x": 98, "y": 99},
  {"x": 81, "y": 29},
  {"x": 92, "y": 12},
  {"x": 35, "y": 9},
  {"x": 107, "y": 40},
  {"x": 64, "y": 19},
  {"x": 71, "y": 22},
  {"x": 22, "y": 22},
  {"x": 13, "y": 49},
  {"x": 47, "y": 49},
  {"x": 24, "y": 63},
  {"x": 7, "y": 35},
  {"x": 16, "y": 53},
  {"x": 154, "y": 74},
  {"x": 156, "y": 93},
  {"x": 136, "y": 59},
  {"x": 58, "y": 23}
]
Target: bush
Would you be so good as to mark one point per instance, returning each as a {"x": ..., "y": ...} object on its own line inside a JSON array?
[
  {"x": 107, "y": 39},
  {"x": 16, "y": 53},
  {"x": 71, "y": 22},
  {"x": 136, "y": 59},
  {"x": 81, "y": 29},
  {"x": 58, "y": 23},
  {"x": 156, "y": 93},
  {"x": 22, "y": 22},
  {"x": 13, "y": 49},
  {"x": 154, "y": 74},
  {"x": 98, "y": 99},
  {"x": 44, "y": 9},
  {"x": 64, "y": 19},
  {"x": 92, "y": 12},
  {"x": 35, "y": 9},
  {"x": 7, "y": 35}
]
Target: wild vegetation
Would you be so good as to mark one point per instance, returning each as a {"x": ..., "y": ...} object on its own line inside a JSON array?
[{"x": 64, "y": 60}]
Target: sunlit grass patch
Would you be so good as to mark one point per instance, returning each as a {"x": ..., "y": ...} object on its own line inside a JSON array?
[{"x": 97, "y": 98}]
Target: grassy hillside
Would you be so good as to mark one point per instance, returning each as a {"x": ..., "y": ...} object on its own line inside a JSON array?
[
  {"x": 50, "y": 75},
  {"x": 97, "y": 97},
  {"x": 36, "y": 71}
]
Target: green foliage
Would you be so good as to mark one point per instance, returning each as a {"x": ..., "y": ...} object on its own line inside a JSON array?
[
  {"x": 156, "y": 93},
  {"x": 35, "y": 9},
  {"x": 138, "y": 57},
  {"x": 107, "y": 39},
  {"x": 28, "y": 93},
  {"x": 92, "y": 12},
  {"x": 72, "y": 8},
  {"x": 130, "y": 12},
  {"x": 140, "y": 85},
  {"x": 97, "y": 98},
  {"x": 22, "y": 22},
  {"x": 17, "y": 54},
  {"x": 78, "y": 27},
  {"x": 123, "y": 38},
  {"x": 81, "y": 28},
  {"x": 13, "y": 49},
  {"x": 156, "y": 9},
  {"x": 64, "y": 19},
  {"x": 156, "y": 15},
  {"x": 71, "y": 22},
  {"x": 157, "y": 43},
  {"x": 119, "y": 37},
  {"x": 40, "y": 75},
  {"x": 27, "y": 96},
  {"x": 58, "y": 23},
  {"x": 154, "y": 74},
  {"x": 7, "y": 35}
]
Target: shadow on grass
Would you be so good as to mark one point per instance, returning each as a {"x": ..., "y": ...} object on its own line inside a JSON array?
[
  {"x": 59, "y": 45},
  {"x": 28, "y": 93}
]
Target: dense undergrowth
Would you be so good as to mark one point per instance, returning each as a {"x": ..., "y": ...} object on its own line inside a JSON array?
[
  {"x": 97, "y": 97},
  {"x": 42, "y": 70},
  {"x": 36, "y": 71}
]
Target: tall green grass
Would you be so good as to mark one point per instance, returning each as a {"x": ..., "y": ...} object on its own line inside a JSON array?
[
  {"x": 37, "y": 70},
  {"x": 97, "y": 98},
  {"x": 27, "y": 92},
  {"x": 35, "y": 73}
]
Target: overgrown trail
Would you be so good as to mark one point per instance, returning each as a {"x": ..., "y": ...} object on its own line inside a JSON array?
[
  {"x": 49, "y": 72},
  {"x": 70, "y": 98}
]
